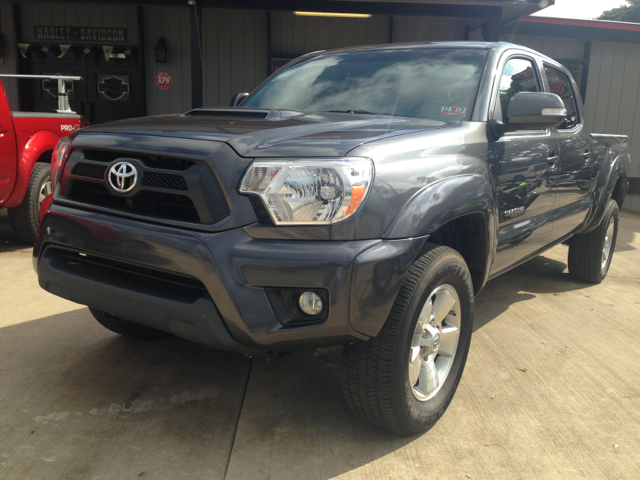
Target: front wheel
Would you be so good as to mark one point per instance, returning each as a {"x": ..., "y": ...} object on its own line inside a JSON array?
[
  {"x": 25, "y": 218},
  {"x": 404, "y": 379}
]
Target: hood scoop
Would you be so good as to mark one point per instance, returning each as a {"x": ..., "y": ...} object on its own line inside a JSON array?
[{"x": 243, "y": 113}]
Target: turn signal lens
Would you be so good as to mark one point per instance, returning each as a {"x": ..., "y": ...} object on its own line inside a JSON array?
[
  {"x": 309, "y": 192},
  {"x": 58, "y": 157}
]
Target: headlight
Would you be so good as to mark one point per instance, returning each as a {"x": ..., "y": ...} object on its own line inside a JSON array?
[
  {"x": 58, "y": 157},
  {"x": 309, "y": 192}
]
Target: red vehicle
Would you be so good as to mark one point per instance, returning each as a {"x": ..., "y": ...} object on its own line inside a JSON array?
[{"x": 27, "y": 140}]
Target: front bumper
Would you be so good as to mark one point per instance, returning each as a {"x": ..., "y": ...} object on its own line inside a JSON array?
[{"x": 126, "y": 267}]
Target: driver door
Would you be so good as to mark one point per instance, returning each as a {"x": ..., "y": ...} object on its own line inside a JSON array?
[{"x": 524, "y": 166}]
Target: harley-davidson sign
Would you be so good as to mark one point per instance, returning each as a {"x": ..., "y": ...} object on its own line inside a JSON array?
[
  {"x": 80, "y": 34},
  {"x": 114, "y": 88}
]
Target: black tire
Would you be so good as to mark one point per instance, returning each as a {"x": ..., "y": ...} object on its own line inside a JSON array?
[
  {"x": 375, "y": 374},
  {"x": 25, "y": 218},
  {"x": 586, "y": 250},
  {"x": 126, "y": 328}
]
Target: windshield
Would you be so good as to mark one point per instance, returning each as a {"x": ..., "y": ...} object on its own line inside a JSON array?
[{"x": 426, "y": 82}]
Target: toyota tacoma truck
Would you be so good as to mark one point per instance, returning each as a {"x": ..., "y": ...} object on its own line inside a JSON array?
[
  {"x": 27, "y": 140},
  {"x": 358, "y": 197}
]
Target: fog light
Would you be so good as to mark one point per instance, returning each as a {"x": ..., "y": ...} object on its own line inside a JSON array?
[{"x": 310, "y": 303}]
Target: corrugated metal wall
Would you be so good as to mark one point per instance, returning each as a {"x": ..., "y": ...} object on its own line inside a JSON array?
[
  {"x": 79, "y": 15},
  {"x": 174, "y": 25},
  {"x": 8, "y": 63},
  {"x": 293, "y": 35},
  {"x": 613, "y": 97}
]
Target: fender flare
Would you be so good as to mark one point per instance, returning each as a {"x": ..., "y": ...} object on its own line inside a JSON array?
[
  {"x": 606, "y": 182},
  {"x": 443, "y": 201},
  {"x": 39, "y": 143},
  {"x": 440, "y": 202}
]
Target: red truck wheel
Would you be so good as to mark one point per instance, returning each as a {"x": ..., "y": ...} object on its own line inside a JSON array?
[{"x": 25, "y": 217}]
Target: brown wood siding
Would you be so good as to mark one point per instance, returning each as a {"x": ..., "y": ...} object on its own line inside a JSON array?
[
  {"x": 172, "y": 24},
  {"x": 556, "y": 48},
  {"x": 613, "y": 97},
  {"x": 293, "y": 35},
  {"x": 432, "y": 29},
  {"x": 234, "y": 45},
  {"x": 74, "y": 15},
  {"x": 8, "y": 63}
]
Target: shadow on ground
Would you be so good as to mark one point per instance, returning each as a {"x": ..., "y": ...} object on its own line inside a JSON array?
[{"x": 8, "y": 243}]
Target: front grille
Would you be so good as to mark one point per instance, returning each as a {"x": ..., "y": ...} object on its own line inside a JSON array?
[
  {"x": 172, "y": 189},
  {"x": 164, "y": 180},
  {"x": 151, "y": 161},
  {"x": 126, "y": 275},
  {"x": 89, "y": 170},
  {"x": 153, "y": 204}
]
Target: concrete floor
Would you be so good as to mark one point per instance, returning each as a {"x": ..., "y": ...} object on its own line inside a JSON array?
[{"x": 551, "y": 390}]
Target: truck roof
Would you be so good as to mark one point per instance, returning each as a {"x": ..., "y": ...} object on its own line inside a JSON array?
[{"x": 500, "y": 46}]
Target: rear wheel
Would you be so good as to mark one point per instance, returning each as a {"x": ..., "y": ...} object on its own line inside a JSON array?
[
  {"x": 590, "y": 254},
  {"x": 126, "y": 328},
  {"x": 404, "y": 379},
  {"x": 25, "y": 218}
]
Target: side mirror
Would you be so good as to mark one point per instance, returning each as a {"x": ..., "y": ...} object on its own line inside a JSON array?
[
  {"x": 535, "y": 111},
  {"x": 238, "y": 98}
]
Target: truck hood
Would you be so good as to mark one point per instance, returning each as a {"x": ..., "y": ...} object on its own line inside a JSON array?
[{"x": 274, "y": 133}]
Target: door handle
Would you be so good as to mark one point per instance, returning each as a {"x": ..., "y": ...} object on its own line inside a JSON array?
[{"x": 3, "y": 129}]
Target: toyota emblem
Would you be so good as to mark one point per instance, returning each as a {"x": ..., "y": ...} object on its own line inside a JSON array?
[{"x": 123, "y": 177}]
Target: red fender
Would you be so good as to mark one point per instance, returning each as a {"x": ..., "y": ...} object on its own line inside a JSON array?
[{"x": 37, "y": 144}]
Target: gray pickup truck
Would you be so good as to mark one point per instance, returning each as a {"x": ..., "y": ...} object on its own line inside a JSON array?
[{"x": 358, "y": 197}]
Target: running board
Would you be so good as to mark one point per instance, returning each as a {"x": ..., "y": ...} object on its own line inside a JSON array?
[{"x": 533, "y": 255}]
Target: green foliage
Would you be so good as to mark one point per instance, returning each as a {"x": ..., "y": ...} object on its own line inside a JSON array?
[{"x": 626, "y": 13}]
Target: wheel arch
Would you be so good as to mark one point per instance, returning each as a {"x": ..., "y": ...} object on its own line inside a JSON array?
[
  {"x": 38, "y": 148},
  {"x": 611, "y": 183},
  {"x": 458, "y": 212}
]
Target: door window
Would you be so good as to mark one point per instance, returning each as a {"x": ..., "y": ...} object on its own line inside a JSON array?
[
  {"x": 519, "y": 75},
  {"x": 560, "y": 84}
]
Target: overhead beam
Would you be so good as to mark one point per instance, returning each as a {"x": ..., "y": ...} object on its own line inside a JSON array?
[{"x": 488, "y": 10}]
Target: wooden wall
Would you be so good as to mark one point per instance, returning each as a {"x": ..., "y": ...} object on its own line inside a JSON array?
[
  {"x": 8, "y": 63},
  {"x": 235, "y": 53},
  {"x": 293, "y": 35},
  {"x": 436, "y": 29},
  {"x": 174, "y": 25},
  {"x": 79, "y": 15},
  {"x": 556, "y": 48},
  {"x": 613, "y": 97}
]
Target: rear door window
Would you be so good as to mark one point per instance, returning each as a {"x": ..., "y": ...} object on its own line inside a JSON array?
[{"x": 560, "y": 84}]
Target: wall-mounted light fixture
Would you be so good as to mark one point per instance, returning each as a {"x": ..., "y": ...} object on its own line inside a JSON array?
[
  {"x": 160, "y": 51},
  {"x": 327, "y": 14}
]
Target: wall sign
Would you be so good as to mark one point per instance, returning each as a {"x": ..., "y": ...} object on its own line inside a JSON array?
[
  {"x": 80, "y": 34},
  {"x": 114, "y": 87},
  {"x": 164, "y": 81},
  {"x": 51, "y": 86}
]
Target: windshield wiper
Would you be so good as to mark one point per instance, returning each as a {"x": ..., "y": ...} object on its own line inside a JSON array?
[{"x": 359, "y": 112}]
